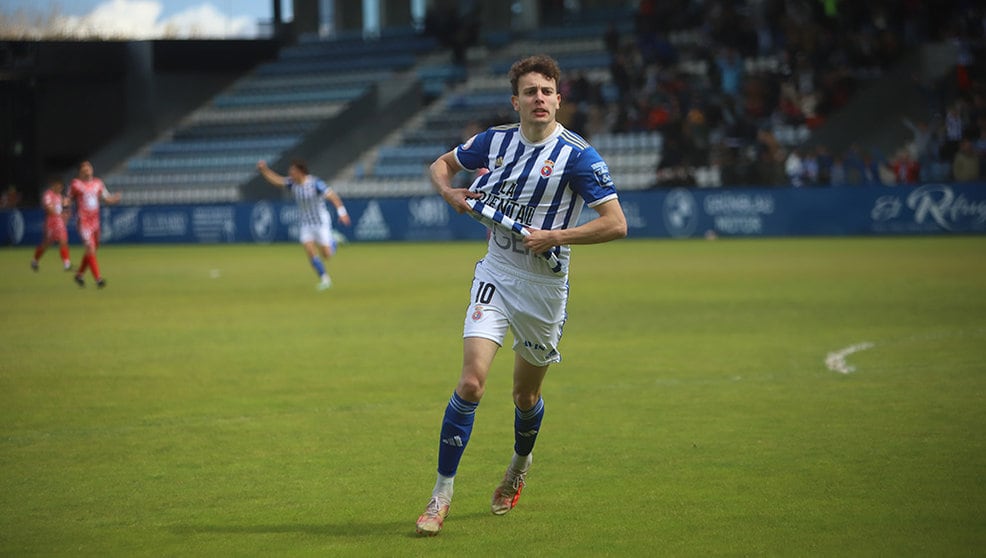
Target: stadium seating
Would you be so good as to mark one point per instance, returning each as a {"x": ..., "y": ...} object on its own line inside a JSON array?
[
  {"x": 266, "y": 113},
  {"x": 399, "y": 167},
  {"x": 214, "y": 150}
]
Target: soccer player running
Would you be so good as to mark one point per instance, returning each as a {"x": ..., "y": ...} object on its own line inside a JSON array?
[
  {"x": 315, "y": 232},
  {"x": 55, "y": 205},
  {"x": 87, "y": 191},
  {"x": 539, "y": 174}
]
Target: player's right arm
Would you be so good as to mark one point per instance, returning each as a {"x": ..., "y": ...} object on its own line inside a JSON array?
[
  {"x": 442, "y": 171},
  {"x": 336, "y": 202},
  {"x": 270, "y": 176}
]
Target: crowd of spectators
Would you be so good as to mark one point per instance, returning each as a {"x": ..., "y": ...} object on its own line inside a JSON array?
[{"x": 714, "y": 108}]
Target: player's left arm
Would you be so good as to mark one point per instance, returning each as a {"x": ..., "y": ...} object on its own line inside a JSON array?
[
  {"x": 66, "y": 208},
  {"x": 110, "y": 198},
  {"x": 590, "y": 179},
  {"x": 610, "y": 225},
  {"x": 336, "y": 202}
]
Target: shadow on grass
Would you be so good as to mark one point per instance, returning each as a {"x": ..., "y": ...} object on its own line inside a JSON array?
[{"x": 351, "y": 529}]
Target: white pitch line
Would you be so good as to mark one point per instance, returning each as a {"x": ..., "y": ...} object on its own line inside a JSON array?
[{"x": 836, "y": 361}]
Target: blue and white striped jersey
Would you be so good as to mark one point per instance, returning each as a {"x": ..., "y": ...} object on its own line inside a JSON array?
[
  {"x": 542, "y": 186},
  {"x": 310, "y": 197}
]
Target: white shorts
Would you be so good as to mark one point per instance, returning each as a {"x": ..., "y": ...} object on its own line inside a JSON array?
[
  {"x": 534, "y": 310},
  {"x": 321, "y": 234}
]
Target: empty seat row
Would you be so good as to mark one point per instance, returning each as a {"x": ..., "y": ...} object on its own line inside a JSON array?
[
  {"x": 264, "y": 83},
  {"x": 191, "y": 163},
  {"x": 479, "y": 100},
  {"x": 328, "y": 95},
  {"x": 254, "y": 144},
  {"x": 330, "y": 64},
  {"x": 439, "y": 135},
  {"x": 573, "y": 31},
  {"x": 443, "y": 72},
  {"x": 567, "y": 62},
  {"x": 452, "y": 120},
  {"x": 212, "y": 131},
  {"x": 319, "y": 111},
  {"x": 411, "y": 153},
  {"x": 359, "y": 48},
  {"x": 399, "y": 170},
  {"x": 179, "y": 179}
]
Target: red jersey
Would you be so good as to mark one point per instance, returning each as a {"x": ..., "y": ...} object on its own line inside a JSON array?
[
  {"x": 52, "y": 202},
  {"x": 87, "y": 194}
]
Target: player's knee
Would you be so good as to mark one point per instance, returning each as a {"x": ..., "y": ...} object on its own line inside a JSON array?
[
  {"x": 471, "y": 388},
  {"x": 526, "y": 399}
]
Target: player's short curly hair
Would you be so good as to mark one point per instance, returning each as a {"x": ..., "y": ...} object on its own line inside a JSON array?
[
  {"x": 300, "y": 164},
  {"x": 540, "y": 63}
]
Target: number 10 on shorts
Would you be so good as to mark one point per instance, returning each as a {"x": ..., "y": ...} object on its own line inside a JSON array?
[{"x": 485, "y": 292}]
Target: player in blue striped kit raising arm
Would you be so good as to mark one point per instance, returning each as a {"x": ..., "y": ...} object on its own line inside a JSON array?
[
  {"x": 540, "y": 177},
  {"x": 314, "y": 221}
]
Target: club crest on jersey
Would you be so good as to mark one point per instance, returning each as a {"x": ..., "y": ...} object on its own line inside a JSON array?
[
  {"x": 498, "y": 163},
  {"x": 546, "y": 169},
  {"x": 477, "y": 313}
]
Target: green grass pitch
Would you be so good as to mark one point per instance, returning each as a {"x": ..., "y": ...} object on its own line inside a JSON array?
[{"x": 209, "y": 402}]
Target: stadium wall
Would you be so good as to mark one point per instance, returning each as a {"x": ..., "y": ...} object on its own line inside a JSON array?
[{"x": 933, "y": 209}]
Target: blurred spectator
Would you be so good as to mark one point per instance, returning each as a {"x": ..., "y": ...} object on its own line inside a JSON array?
[
  {"x": 552, "y": 12},
  {"x": 11, "y": 198},
  {"x": 730, "y": 71},
  {"x": 619, "y": 72},
  {"x": 863, "y": 168},
  {"x": 965, "y": 164},
  {"x": 454, "y": 30},
  {"x": 954, "y": 128},
  {"x": 695, "y": 136},
  {"x": 794, "y": 168},
  {"x": 837, "y": 171},
  {"x": 925, "y": 145},
  {"x": 769, "y": 169},
  {"x": 980, "y": 144},
  {"x": 715, "y": 78},
  {"x": 611, "y": 38},
  {"x": 906, "y": 169},
  {"x": 812, "y": 166},
  {"x": 671, "y": 170}
]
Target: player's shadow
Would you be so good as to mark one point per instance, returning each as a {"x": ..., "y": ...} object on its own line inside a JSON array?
[{"x": 353, "y": 529}]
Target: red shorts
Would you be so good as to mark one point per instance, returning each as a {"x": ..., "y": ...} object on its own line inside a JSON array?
[
  {"x": 90, "y": 235},
  {"x": 55, "y": 231}
]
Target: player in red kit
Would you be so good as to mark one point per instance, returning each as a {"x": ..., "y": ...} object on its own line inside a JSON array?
[
  {"x": 54, "y": 203},
  {"x": 88, "y": 191}
]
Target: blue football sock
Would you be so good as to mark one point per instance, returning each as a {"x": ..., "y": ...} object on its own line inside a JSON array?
[
  {"x": 456, "y": 428},
  {"x": 526, "y": 426},
  {"x": 318, "y": 265}
]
